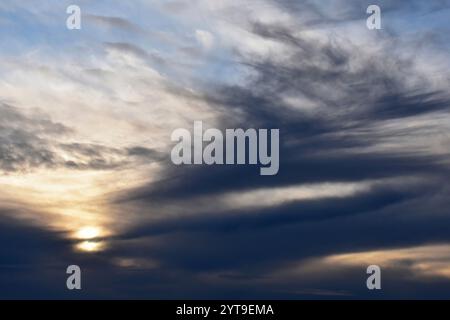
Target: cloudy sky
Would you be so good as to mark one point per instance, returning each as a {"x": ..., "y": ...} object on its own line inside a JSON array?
[{"x": 86, "y": 178}]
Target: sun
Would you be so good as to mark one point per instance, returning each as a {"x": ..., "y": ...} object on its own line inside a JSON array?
[
  {"x": 89, "y": 246},
  {"x": 90, "y": 232},
  {"x": 90, "y": 236}
]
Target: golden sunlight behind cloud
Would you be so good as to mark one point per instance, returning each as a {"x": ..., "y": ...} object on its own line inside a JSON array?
[
  {"x": 89, "y": 234},
  {"x": 70, "y": 201},
  {"x": 90, "y": 246},
  {"x": 427, "y": 260},
  {"x": 417, "y": 263}
]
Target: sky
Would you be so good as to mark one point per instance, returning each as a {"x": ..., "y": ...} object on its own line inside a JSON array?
[{"x": 86, "y": 178}]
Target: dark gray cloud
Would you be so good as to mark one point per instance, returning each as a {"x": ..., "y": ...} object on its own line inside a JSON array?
[
  {"x": 22, "y": 142},
  {"x": 30, "y": 142},
  {"x": 352, "y": 105},
  {"x": 315, "y": 147},
  {"x": 331, "y": 13}
]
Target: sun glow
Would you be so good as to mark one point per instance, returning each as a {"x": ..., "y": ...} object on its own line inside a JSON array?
[
  {"x": 90, "y": 246},
  {"x": 88, "y": 233}
]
